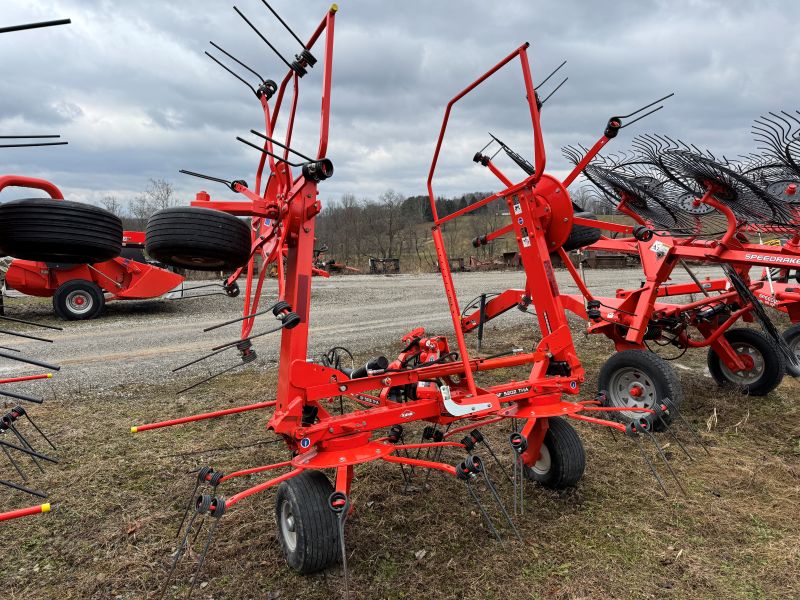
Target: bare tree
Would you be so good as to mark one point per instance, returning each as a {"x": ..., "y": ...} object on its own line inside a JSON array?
[{"x": 113, "y": 205}]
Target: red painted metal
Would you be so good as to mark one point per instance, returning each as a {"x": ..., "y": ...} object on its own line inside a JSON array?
[{"x": 25, "y": 512}]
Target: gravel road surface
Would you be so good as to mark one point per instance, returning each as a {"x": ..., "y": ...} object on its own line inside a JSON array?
[{"x": 140, "y": 342}]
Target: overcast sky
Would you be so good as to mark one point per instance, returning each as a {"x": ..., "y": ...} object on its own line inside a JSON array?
[{"x": 128, "y": 85}]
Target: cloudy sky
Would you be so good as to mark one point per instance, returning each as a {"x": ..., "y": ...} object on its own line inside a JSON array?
[{"x": 128, "y": 85}]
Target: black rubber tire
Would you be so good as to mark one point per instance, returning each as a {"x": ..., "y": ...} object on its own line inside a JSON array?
[
  {"x": 565, "y": 460},
  {"x": 581, "y": 236},
  {"x": 792, "y": 337},
  {"x": 59, "y": 231},
  {"x": 66, "y": 307},
  {"x": 315, "y": 525},
  {"x": 657, "y": 377},
  {"x": 201, "y": 239},
  {"x": 773, "y": 360}
]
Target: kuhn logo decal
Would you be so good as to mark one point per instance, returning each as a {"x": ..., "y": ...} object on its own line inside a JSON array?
[{"x": 406, "y": 414}]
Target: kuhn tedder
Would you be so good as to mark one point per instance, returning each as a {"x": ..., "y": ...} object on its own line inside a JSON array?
[
  {"x": 688, "y": 208},
  {"x": 432, "y": 380}
]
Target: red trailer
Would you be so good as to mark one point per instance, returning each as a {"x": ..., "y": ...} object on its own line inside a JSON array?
[{"x": 80, "y": 291}]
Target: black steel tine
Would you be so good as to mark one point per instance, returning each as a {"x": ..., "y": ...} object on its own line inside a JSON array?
[
  {"x": 34, "y": 324},
  {"x": 238, "y": 319},
  {"x": 237, "y": 61},
  {"x": 244, "y": 81},
  {"x": 36, "y": 145},
  {"x": 558, "y": 87},
  {"x": 647, "y": 106},
  {"x": 197, "y": 360},
  {"x": 13, "y": 462},
  {"x": 500, "y": 504},
  {"x": 483, "y": 512},
  {"x": 7, "y": 348},
  {"x": 247, "y": 339},
  {"x": 24, "y": 441},
  {"x": 655, "y": 110},
  {"x": 289, "y": 29},
  {"x": 22, "y": 488},
  {"x": 27, "y": 26},
  {"x": 267, "y": 152},
  {"x": 25, "y": 335},
  {"x": 553, "y": 72},
  {"x": 209, "y": 178},
  {"x": 30, "y": 361},
  {"x": 664, "y": 458},
  {"x": 497, "y": 460},
  {"x": 672, "y": 434},
  {"x": 207, "y": 379},
  {"x": 17, "y": 396},
  {"x": 674, "y": 409},
  {"x": 650, "y": 464},
  {"x": 277, "y": 143},
  {"x": 266, "y": 41},
  {"x": 28, "y": 451},
  {"x": 192, "y": 497},
  {"x": 209, "y": 539},
  {"x": 41, "y": 433},
  {"x": 178, "y": 555}
]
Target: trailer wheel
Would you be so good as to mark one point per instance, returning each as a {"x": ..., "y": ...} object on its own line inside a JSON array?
[
  {"x": 768, "y": 364},
  {"x": 307, "y": 527},
  {"x": 561, "y": 458},
  {"x": 59, "y": 231},
  {"x": 202, "y": 239},
  {"x": 792, "y": 337},
  {"x": 78, "y": 300},
  {"x": 581, "y": 236},
  {"x": 638, "y": 379}
]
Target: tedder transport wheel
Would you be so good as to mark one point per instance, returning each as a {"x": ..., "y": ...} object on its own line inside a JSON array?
[
  {"x": 58, "y": 231},
  {"x": 792, "y": 337},
  {"x": 581, "y": 236},
  {"x": 638, "y": 379},
  {"x": 307, "y": 527},
  {"x": 561, "y": 458},
  {"x": 78, "y": 300},
  {"x": 202, "y": 239},
  {"x": 768, "y": 364}
]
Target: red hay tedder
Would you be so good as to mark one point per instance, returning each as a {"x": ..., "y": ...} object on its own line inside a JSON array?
[{"x": 433, "y": 380}]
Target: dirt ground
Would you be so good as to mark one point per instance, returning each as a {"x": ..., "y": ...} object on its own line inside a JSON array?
[{"x": 119, "y": 497}]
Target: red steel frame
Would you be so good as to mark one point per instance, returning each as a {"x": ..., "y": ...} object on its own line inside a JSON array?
[{"x": 283, "y": 219}]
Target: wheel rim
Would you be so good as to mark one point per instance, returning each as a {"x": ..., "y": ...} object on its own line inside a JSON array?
[
  {"x": 288, "y": 527},
  {"x": 79, "y": 302},
  {"x": 632, "y": 388},
  {"x": 745, "y": 376},
  {"x": 794, "y": 345},
  {"x": 542, "y": 466}
]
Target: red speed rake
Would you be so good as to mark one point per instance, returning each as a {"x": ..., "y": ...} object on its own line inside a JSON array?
[
  {"x": 431, "y": 380},
  {"x": 688, "y": 208}
]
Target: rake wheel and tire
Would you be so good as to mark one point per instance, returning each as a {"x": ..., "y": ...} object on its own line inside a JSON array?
[
  {"x": 58, "y": 231},
  {"x": 768, "y": 363},
  {"x": 78, "y": 300},
  {"x": 792, "y": 337},
  {"x": 308, "y": 529},
  {"x": 581, "y": 236},
  {"x": 638, "y": 379},
  {"x": 562, "y": 459},
  {"x": 202, "y": 239}
]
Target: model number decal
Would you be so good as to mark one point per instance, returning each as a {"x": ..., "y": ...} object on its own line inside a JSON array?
[{"x": 514, "y": 392}]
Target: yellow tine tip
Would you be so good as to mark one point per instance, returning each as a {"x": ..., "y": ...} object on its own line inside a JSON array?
[
  {"x": 49, "y": 375},
  {"x": 334, "y": 7},
  {"x": 46, "y": 507},
  {"x": 134, "y": 429}
]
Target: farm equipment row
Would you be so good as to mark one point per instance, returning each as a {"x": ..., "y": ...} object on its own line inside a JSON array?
[{"x": 432, "y": 381}]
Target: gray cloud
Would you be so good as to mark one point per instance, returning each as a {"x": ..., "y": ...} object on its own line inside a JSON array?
[{"x": 128, "y": 85}]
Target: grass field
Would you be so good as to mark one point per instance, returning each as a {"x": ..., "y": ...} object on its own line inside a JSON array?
[{"x": 119, "y": 498}]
